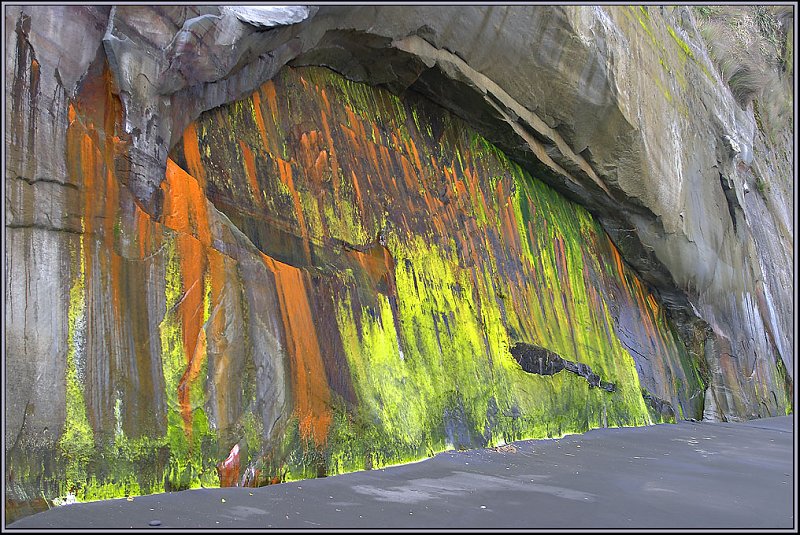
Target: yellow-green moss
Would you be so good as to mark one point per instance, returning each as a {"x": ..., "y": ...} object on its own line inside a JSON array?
[
  {"x": 681, "y": 43},
  {"x": 190, "y": 464},
  {"x": 77, "y": 439},
  {"x": 428, "y": 352}
]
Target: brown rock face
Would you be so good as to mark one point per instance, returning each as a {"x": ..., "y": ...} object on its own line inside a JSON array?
[{"x": 210, "y": 253}]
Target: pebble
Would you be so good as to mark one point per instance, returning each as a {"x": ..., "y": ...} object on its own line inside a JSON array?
[{"x": 155, "y": 522}]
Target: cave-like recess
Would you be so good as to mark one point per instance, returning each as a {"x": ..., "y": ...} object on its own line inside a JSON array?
[{"x": 332, "y": 280}]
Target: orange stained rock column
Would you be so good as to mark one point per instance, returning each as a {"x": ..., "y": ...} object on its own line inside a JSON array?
[
  {"x": 312, "y": 395},
  {"x": 185, "y": 212}
]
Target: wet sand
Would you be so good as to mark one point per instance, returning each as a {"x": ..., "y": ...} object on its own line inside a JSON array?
[{"x": 698, "y": 475}]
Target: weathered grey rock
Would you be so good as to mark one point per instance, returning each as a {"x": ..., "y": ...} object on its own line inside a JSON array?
[
  {"x": 271, "y": 16},
  {"x": 659, "y": 153},
  {"x": 37, "y": 294}
]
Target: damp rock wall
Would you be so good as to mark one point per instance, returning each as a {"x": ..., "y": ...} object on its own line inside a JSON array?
[{"x": 223, "y": 270}]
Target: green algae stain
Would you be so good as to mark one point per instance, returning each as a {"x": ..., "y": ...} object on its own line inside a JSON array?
[
  {"x": 77, "y": 440},
  {"x": 190, "y": 464},
  {"x": 681, "y": 43},
  {"x": 482, "y": 254},
  {"x": 129, "y": 466}
]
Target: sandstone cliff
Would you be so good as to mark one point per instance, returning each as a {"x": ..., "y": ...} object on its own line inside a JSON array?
[{"x": 335, "y": 238}]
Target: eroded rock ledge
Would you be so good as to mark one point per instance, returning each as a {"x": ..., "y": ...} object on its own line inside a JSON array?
[{"x": 541, "y": 361}]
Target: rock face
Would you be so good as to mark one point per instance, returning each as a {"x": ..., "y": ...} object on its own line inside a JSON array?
[{"x": 216, "y": 260}]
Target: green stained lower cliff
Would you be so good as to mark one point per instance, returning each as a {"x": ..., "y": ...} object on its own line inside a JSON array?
[
  {"x": 452, "y": 253},
  {"x": 189, "y": 443},
  {"x": 333, "y": 283},
  {"x": 77, "y": 441}
]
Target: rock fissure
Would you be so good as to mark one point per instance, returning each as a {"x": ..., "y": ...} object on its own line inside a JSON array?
[
  {"x": 541, "y": 361},
  {"x": 33, "y": 181},
  {"x": 39, "y": 226}
]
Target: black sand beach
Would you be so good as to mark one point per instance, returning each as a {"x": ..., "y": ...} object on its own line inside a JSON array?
[{"x": 690, "y": 475}]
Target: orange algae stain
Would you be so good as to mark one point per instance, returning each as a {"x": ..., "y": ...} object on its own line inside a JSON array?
[
  {"x": 312, "y": 396},
  {"x": 435, "y": 166},
  {"x": 110, "y": 220},
  {"x": 185, "y": 208},
  {"x": 617, "y": 261},
  {"x": 651, "y": 300},
  {"x": 185, "y": 211},
  {"x": 352, "y": 121},
  {"x": 510, "y": 229},
  {"x": 285, "y": 173},
  {"x": 409, "y": 176},
  {"x": 268, "y": 89},
  {"x": 320, "y": 165},
  {"x": 460, "y": 187},
  {"x": 373, "y": 156},
  {"x": 472, "y": 183},
  {"x": 268, "y": 131},
  {"x": 91, "y": 156},
  {"x": 415, "y": 154},
  {"x": 306, "y": 156},
  {"x": 647, "y": 322},
  {"x": 143, "y": 225},
  {"x": 250, "y": 170},
  {"x": 190, "y": 308},
  {"x": 88, "y": 168},
  {"x": 192, "y": 261},
  {"x": 326, "y": 129},
  {"x": 309, "y": 146},
  {"x": 385, "y": 161},
  {"x": 262, "y": 129},
  {"x": 191, "y": 150},
  {"x": 378, "y": 264},
  {"x": 499, "y": 192},
  {"x": 324, "y": 96},
  {"x": 228, "y": 470},
  {"x": 357, "y": 192}
]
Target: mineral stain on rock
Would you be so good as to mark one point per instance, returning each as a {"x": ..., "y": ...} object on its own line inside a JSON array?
[
  {"x": 327, "y": 275},
  {"x": 363, "y": 261},
  {"x": 420, "y": 248}
]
